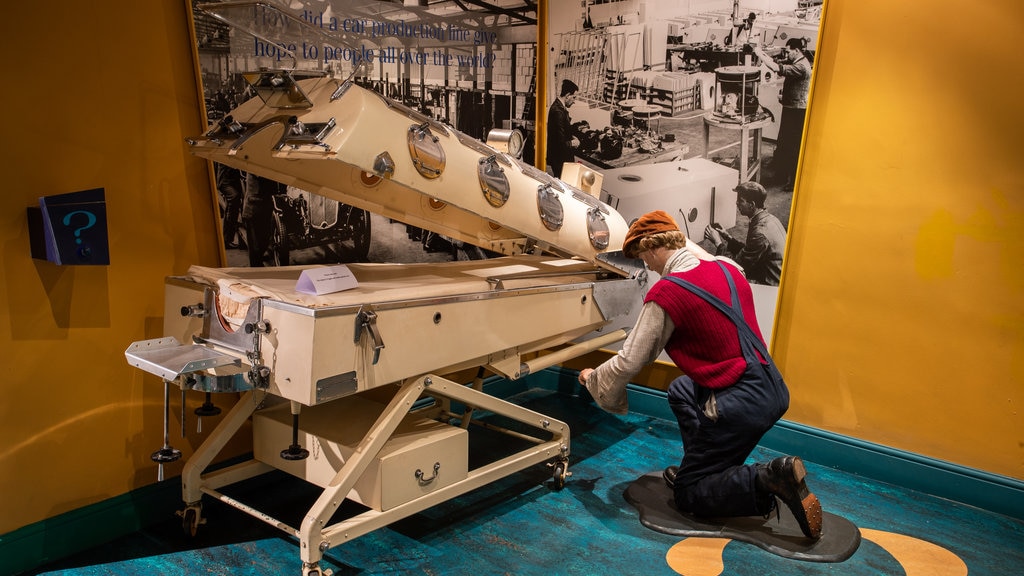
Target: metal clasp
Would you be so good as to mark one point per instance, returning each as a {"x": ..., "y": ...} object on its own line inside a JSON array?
[{"x": 368, "y": 319}]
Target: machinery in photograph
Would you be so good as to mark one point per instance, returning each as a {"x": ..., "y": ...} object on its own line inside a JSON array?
[{"x": 303, "y": 220}]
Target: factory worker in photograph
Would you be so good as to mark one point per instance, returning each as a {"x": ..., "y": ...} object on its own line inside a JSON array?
[
  {"x": 760, "y": 255},
  {"x": 561, "y": 143},
  {"x": 795, "y": 69},
  {"x": 743, "y": 32},
  {"x": 701, "y": 312}
]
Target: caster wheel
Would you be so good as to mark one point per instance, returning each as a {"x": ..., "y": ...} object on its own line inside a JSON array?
[
  {"x": 190, "y": 520},
  {"x": 559, "y": 475}
]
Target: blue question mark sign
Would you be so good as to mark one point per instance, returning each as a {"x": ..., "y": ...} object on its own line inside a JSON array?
[{"x": 91, "y": 221}]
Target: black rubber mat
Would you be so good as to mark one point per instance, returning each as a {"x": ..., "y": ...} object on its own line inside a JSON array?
[{"x": 779, "y": 534}]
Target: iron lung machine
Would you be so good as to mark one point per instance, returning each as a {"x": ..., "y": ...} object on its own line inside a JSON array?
[{"x": 346, "y": 390}]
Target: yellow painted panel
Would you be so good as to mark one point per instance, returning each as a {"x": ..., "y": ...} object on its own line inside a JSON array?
[
  {"x": 101, "y": 96},
  {"x": 901, "y": 320}
]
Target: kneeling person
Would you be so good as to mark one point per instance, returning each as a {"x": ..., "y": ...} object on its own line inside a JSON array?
[{"x": 701, "y": 313}]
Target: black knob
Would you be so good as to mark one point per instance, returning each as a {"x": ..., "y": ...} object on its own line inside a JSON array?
[
  {"x": 295, "y": 452},
  {"x": 208, "y": 408},
  {"x": 165, "y": 454}
]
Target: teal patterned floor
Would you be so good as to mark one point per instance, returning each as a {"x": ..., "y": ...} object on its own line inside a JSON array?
[{"x": 522, "y": 525}]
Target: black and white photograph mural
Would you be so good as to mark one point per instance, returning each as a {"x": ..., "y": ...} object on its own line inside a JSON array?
[
  {"x": 695, "y": 107},
  {"x": 469, "y": 64}
]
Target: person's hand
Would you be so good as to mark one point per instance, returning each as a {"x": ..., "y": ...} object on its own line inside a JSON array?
[
  {"x": 584, "y": 374},
  {"x": 713, "y": 235},
  {"x": 722, "y": 231},
  {"x": 575, "y": 142}
]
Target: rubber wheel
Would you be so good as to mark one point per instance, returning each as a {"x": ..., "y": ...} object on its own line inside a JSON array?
[
  {"x": 360, "y": 234},
  {"x": 190, "y": 521},
  {"x": 559, "y": 475},
  {"x": 279, "y": 242},
  {"x": 356, "y": 246}
]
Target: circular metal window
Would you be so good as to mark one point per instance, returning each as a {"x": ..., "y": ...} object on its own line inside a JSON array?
[
  {"x": 425, "y": 150},
  {"x": 550, "y": 208},
  {"x": 493, "y": 182},
  {"x": 597, "y": 229}
]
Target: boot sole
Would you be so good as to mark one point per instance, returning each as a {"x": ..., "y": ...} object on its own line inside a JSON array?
[
  {"x": 808, "y": 511},
  {"x": 811, "y": 525}
]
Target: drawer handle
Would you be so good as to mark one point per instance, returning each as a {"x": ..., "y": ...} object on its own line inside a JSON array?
[{"x": 424, "y": 481}]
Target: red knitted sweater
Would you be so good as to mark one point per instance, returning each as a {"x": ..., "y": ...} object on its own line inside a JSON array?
[{"x": 705, "y": 344}]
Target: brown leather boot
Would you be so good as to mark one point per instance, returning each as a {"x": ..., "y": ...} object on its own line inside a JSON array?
[{"x": 784, "y": 477}]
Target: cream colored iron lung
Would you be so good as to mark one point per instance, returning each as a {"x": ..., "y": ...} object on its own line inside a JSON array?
[{"x": 346, "y": 390}]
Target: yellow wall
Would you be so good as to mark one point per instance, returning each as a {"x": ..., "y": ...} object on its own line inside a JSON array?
[
  {"x": 97, "y": 94},
  {"x": 902, "y": 310},
  {"x": 900, "y": 320}
]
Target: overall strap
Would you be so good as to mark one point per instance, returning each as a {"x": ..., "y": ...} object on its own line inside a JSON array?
[{"x": 734, "y": 313}]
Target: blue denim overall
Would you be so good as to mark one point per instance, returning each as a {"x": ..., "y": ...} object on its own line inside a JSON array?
[{"x": 721, "y": 427}]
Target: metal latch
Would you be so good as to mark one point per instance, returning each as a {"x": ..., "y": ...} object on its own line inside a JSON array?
[
  {"x": 368, "y": 319},
  {"x": 298, "y": 133}
]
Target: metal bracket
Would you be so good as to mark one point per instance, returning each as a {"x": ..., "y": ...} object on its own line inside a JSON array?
[
  {"x": 168, "y": 359},
  {"x": 215, "y": 328},
  {"x": 298, "y": 134},
  {"x": 384, "y": 165}
]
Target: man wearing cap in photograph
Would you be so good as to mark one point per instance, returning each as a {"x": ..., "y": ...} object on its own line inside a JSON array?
[
  {"x": 701, "y": 312},
  {"x": 561, "y": 142},
  {"x": 761, "y": 255}
]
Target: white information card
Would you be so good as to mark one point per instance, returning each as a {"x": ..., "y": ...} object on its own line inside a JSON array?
[{"x": 319, "y": 281}]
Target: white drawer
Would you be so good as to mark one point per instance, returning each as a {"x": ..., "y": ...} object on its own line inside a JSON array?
[{"x": 331, "y": 432}]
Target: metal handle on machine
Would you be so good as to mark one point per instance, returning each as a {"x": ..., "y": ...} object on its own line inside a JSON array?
[
  {"x": 559, "y": 356},
  {"x": 368, "y": 319},
  {"x": 424, "y": 481}
]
